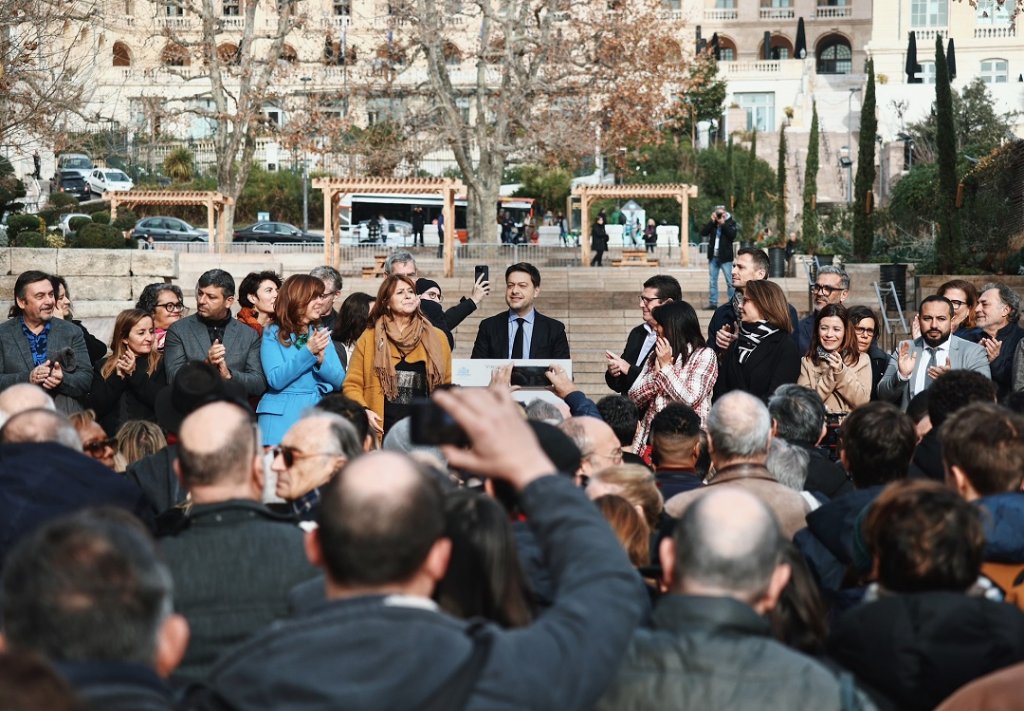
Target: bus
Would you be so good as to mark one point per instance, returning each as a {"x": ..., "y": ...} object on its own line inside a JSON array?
[{"x": 398, "y": 208}]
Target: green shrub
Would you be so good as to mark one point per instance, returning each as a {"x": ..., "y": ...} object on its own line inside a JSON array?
[
  {"x": 97, "y": 236},
  {"x": 102, "y": 217},
  {"x": 24, "y": 223},
  {"x": 59, "y": 200},
  {"x": 28, "y": 238},
  {"x": 126, "y": 220},
  {"x": 77, "y": 223},
  {"x": 54, "y": 240}
]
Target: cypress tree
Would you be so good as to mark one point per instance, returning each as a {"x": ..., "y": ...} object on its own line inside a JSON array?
[
  {"x": 780, "y": 182},
  {"x": 809, "y": 235},
  {"x": 730, "y": 178},
  {"x": 863, "y": 217},
  {"x": 947, "y": 241}
]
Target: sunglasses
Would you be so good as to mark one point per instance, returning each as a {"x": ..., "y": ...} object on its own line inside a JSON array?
[
  {"x": 99, "y": 445},
  {"x": 290, "y": 454}
]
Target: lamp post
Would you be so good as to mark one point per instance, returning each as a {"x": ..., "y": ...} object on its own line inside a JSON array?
[
  {"x": 845, "y": 160},
  {"x": 305, "y": 166}
]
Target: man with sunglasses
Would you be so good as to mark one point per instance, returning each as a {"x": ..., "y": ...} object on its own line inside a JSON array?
[
  {"x": 232, "y": 559},
  {"x": 832, "y": 286},
  {"x": 310, "y": 454}
]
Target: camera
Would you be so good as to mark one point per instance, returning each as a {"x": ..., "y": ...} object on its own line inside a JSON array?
[
  {"x": 822, "y": 353},
  {"x": 529, "y": 376},
  {"x": 430, "y": 424}
]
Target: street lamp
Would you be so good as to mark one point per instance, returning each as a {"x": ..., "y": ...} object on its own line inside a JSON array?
[
  {"x": 845, "y": 162},
  {"x": 305, "y": 167}
]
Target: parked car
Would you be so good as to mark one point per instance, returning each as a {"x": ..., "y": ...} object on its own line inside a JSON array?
[
  {"x": 103, "y": 180},
  {"x": 63, "y": 225},
  {"x": 78, "y": 162},
  {"x": 399, "y": 232},
  {"x": 166, "y": 229},
  {"x": 72, "y": 183},
  {"x": 270, "y": 232}
]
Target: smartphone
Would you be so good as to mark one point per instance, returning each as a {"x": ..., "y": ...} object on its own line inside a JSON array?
[
  {"x": 430, "y": 424},
  {"x": 822, "y": 353},
  {"x": 481, "y": 270},
  {"x": 529, "y": 376}
]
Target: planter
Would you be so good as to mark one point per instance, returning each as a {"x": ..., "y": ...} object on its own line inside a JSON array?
[
  {"x": 776, "y": 263},
  {"x": 897, "y": 274}
]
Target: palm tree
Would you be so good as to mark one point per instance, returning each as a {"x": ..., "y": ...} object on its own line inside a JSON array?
[{"x": 179, "y": 165}]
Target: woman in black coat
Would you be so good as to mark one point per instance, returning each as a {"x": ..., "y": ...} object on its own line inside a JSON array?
[
  {"x": 764, "y": 355},
  {"x": 125, "y": 385},
  {"x": 598, "y": 241}
]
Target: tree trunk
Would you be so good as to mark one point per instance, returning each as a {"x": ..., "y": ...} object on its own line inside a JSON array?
[{"x": 481, "y": 216}]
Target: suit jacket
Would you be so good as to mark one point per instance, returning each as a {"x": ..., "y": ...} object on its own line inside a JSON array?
[
  {"x": 631, "y": 354},
  {"x": 188, "y": 339},
  {"x": 548, "y": 340},
  {"x": 963, "y": 355},
  {"x": 16, "y": 360}
]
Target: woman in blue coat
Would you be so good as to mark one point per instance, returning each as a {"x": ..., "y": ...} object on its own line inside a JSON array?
[{"x": 299, "y": 360}]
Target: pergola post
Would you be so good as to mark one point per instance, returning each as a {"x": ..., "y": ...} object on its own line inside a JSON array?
[
  {"x": 449, "y": 231},
  {"x": 114, "y": 202},
  {"x": 584, "y": 227}
]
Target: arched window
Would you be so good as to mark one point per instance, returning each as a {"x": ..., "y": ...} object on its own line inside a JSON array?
[
  {"x": 780, "y": 48},
  {"x": 174, "y": 55},
  {"x": 834, "y": 55},
  {"x": 726, "y": 49},
  {"x": 121, "y": 54}
]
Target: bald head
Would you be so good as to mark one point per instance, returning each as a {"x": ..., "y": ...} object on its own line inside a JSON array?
[
  {"x": 24, "y": 396},
  {"x": 739, "y": 429},
  {"x": 379, "y": 519},
  {"x": 216, "y": 446},
  {"x": 727, "y": 543},
  {"x": 596, "y": 441},
  {"x": 40, "y": 425}
]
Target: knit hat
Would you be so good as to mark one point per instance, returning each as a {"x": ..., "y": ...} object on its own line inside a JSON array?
[{"x": 423, "y": 285}]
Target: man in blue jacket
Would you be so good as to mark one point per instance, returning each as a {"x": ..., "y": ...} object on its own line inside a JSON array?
[{"x": 381, "y": 643}]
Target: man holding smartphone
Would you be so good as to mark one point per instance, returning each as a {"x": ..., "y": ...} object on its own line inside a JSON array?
[{"x": 402, "y": 262}]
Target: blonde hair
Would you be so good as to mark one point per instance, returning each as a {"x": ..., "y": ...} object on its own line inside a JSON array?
[
  {"x": 629, "y": 527},
  {"x": 635, "y": 483},
  {"x": 138, "y": 439}
]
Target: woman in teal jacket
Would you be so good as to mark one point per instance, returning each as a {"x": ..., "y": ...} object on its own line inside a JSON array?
[{"x": 299, "y": 360}]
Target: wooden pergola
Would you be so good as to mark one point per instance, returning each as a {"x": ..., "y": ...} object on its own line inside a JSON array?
[
  {"x": 589, "y": 193},
  {"x": 213, "y": 202},
  {"x": 334, "y": 188}
]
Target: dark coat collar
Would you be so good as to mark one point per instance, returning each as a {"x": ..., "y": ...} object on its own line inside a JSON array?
[{"x": 682, "y": 613}]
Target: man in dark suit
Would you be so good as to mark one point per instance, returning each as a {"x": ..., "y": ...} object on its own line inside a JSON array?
[
  {"x": 521, "y": 332},
  {"x": 623, "y": 372},
  {"x": 39, "y": 349},
  {"x": 918, "y": 363},
  {"x": 212, "y": 336}
]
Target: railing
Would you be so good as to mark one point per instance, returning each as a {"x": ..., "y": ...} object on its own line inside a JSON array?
[
  {"x": 721, "y": 14},
  {"x": 995, "y": 32},
  {"x": 232, "y": 23},
  {"x": 925, "y": 35},
  {"x": 768, "y": 66},
  {"x": 777, "y": 13},
  {"x": 176, "y": 22},
  {"x": 829, "y": 12},
  {"x": 670, "y": 14},
  {"x": 331, "y": 22}
]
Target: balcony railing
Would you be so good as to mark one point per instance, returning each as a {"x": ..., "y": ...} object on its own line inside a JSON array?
[
  {"x": 331, "y": 22},
  {"x": 925, "y": 35},
  {"x": 175, "y": 22},
  {"x": 766, "y": 67},
  {"x": 232, "y": 23},
  {"x": 829, "y": 12},
  {"x": 721, "y": 14},
  {"x": 777, "y": 13},
  {"x": 994, "y": 32}
]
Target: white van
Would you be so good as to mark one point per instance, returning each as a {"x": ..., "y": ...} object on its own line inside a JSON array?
[{"x": 78, "y": 162}]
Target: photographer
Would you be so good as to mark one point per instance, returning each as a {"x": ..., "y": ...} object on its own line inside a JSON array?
[{"x": 720, "y": 231}]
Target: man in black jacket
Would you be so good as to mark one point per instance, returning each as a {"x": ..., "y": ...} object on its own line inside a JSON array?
[
  {"x": 521, "y": 332},
  {"x": 380, "y": 642},
  {"x": 623, "y": 372},
  {"x": 710, "y": 646},
  {"x": 720, "y": 231},
  {"x": 999, "y": 332},
  {"x": 233, "y": 561}
]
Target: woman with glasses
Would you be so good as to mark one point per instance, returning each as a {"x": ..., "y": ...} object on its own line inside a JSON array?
[
  {"x": 299, "y": 360},
  {"x": 257, "y": 295},
  {"x": 680, "y": 368},
  {"x": 166, "y": 304},
  {"x": 401, "y": 357},
  {"x": 964, "y": 297},
  {"x": 866, "y": 330},
  {"x": 764, "y": 355},
  {"x": 834, "y": 367},
  {"x": 96, "y": 443},
  {"x": 126, "y": 383}
]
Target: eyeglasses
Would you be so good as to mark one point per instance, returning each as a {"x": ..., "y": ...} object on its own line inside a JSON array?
[
  {"x": 327, "y": 295},
  {"x": 864, "y": 331},
  {"x": 290, "y": 454},
  {"x": 173, "y": 307},
  {"x": 99, "y": 445},
  {"x": 957, "y": 303},
  {"x": 648, "y": 300},
  {"x": 615, "y": 457},
  {"x": 826, "y": 289}
]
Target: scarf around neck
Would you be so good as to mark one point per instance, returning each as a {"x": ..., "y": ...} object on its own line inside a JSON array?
[
  {"x": 751, "y": 336},
  {"x": 418, "y": 331}
]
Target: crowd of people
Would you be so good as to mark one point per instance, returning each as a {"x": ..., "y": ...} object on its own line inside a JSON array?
[{"x": 291, "y": 506}]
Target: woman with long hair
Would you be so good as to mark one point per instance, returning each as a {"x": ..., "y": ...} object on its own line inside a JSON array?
[
  {"x": 400, "y": 358},
  {"x": 299, "y": 360},
  {"x": 126, "y": 383},
  {"x": 166, "y": 304},
  {"x": 62, "y": 309},
  {"x": 681, "y": 368},
  {"x": 834, "y": 367},
  {"x": 257, "y": 295},
  {"x": 765, "y": 355},
  {"x": 964, "y": 297},
  {"x": 866, "y": 329},
  {"x": 353, "y": 319}
]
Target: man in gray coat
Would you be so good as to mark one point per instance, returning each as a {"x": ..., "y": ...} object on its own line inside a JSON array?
[
  {"x": 39, "y": 349},
  {"x": 212, "y": 336},
  {"x": 918, "y": 363},
  {"x": 710, "y": 646}
]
